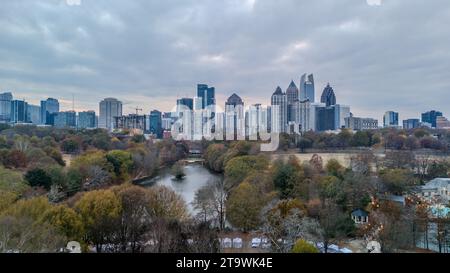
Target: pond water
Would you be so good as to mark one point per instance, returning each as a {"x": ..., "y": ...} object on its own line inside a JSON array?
[{"x": 197, "y": 176}]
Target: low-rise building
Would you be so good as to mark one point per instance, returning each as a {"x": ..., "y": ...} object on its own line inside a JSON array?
[{"x": 436, "y": 191}]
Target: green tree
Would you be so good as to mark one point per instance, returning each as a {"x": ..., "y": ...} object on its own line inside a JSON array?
[
  {"x": 122, "y": 162},
  {"x": 289, "y": 179},
  {"x": 438, "y": 170},
  {"x": 302, "y": 246},
  {"x": 397, "y": 181},
  {"x": 333, "y": 167},
  {"x": 38, "y": 178},
  {"x": 238, "y": 168},
  {"x": 360, "y": 139}
]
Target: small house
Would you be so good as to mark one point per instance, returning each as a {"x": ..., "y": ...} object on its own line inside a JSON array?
[{"x": 360, "y": 216}]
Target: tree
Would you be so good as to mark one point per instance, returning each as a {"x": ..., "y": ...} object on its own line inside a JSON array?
[
  {"x": 15, "y": 159},
  {"x": 285, "y": 223},
  {"x": 333, "y": 167},
  {"x": 397, "y": 181},
  {"x": 289, "y": 179},
  {"x": 305, "y": 143},
  {"x": 70, "y": 145},
  {"x": 99, "y": 211},
  {"x": 122, "y": 163},
  {"x": 238, "y": 168},
  {"x": 12, "y": 181},
  {"x": 24, "y": 236},
  {"x": 38, "y": 178},
  {"x": 438, "y": 170},
  {"x": 210, "y": 201},
  {"x": 178, "y": 170},
  {"x": 165, "y": 203},
  {"x": 244, "y": 206},
  {"x": 66, "y": 221},
  {"x": 134, "y": 217},
  {"x": 302, "y": 246},
  {"x": 335, "y": 224},
  {"x": 361, "y": 139}
]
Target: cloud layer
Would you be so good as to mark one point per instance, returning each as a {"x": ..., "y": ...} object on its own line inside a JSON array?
[{"x": 378, "y": 55}]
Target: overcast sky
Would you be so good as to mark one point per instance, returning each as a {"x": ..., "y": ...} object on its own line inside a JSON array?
[{"x": 377, "y": 55}]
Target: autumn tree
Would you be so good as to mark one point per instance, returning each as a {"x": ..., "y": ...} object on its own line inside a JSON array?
[
  {"x": 302, "y": 246},
  {"x": 99, "y": 211},
  {"x": 244, "y": 206},
  {"x": 165, "y": 203}
]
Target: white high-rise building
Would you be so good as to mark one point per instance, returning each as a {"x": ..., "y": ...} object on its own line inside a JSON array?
[
  {"x": 109, "y": 108},
  {"x": 279, "y": 111},
  {"x": 234, "y": 118}
]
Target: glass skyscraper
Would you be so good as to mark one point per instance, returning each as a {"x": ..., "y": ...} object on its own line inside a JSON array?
[
  {"x": 48, "y": 108},
  {"x": 307, "y": 89},
  {"x": 86, "y": 120},
  {"x": 19, "y": 111},
  {"x": 430, "y": 117},
  {"x": 5, "y": 107},
  {"x": 156, "y": 123},
  {"x": 207, "y": 94},
  {"x": 109, "y": 109}
]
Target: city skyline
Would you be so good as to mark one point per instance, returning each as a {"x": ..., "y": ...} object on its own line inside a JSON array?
[{"x": 95, "y": 50}]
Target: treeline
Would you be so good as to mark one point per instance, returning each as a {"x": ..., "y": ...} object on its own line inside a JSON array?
[{"x": 388, "y": 138}]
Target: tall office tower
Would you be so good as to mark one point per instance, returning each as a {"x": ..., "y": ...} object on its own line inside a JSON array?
[
  {"x": 304, "y": 113},
  {"x": 198, "y": 104},
  {"x": 279, "y": 111},
  {"x": 430, "y": 117},
  {"x": 341, "y": 113},
  {"x": 412, "y": 123},
  {"x": 328, "y": 96},
  {"x": 109, "y": 109},
  {"x": 208, "y": 95},
  {"x": 292, "y": 96},
  {"x": 156, "y": 124},
  {"x": 234, "y": 118},
  {"x": 66, "y": 119},
  {"x": 184, "y": 104},
  {"x": 48, "y": 108},
  {"x": 34, "y": 114},
  {"x": 86, "y": 120},
  {"x": 19, "y": 111},
  {"x": 390, "y": 119},
  {"x": 254, "y": 121},
  {"x": 5, "y": 107},
  {"x": 307, "y": 89}
]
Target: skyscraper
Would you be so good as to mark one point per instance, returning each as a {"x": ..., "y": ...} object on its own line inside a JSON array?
[
  {"x": 109, "y": 108},
  {"x": 48, "y": 108},
  {"x": 331, "y": 117},
  {"x": 207, "y": 94},
  {"x": 34, "y": 114},
  {"x": 19, "y": 111},
  {"x": 234, "y": 118},
  {"x": 86, "y": 120},
  {"x": 411, "y": 123},
  {"x": 307, "y": 89},
  {"x": 279, "y": 111},
  {"x": 5, "y": 107},
  {"x": 328, "y": 96},
  {"x": 292, "y": 97},
  {"x": 65, "y": 119},
  {"x": 185, "y": 103},
  {"x": 430, "y": 117},
  {"x": 390, "y": 119},
  {"x": 156, "y": 124}
]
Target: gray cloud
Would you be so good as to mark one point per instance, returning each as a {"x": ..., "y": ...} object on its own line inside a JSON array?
[{"x": 380, "y": 57}]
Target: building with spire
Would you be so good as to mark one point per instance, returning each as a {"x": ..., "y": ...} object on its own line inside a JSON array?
[
  {"x": 292, "y": 96},
  {"x": 234, "y": 118},
  {"x": 279, "y": 107},
  {"x": 328, "y": 96}
]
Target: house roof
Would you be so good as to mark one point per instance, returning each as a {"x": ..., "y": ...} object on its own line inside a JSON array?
[
  {"x": 437, "y": 183},
  {"x": 360, "y": 213}
]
